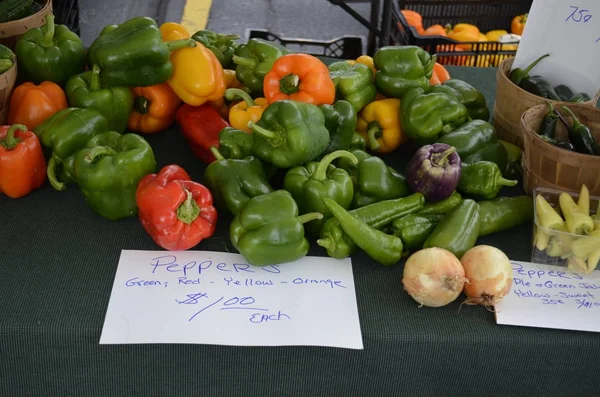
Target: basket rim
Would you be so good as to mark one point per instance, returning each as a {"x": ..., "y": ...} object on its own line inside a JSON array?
[
  {"x": 503, "y": 74},
  {"x": 549, "y": 146},
  {"x": 42, "y": 10}
]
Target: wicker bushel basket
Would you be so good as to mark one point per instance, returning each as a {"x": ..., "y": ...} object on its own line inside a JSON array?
[
  {"x": 511, "y": 102},
  {"x": 545, "y": 165},
  {"x": 11, "y": 31},
  {"x": 7, "y": 84}
]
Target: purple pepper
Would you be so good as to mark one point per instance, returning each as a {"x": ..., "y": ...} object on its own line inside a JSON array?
[{"x": 434, "y": 171}]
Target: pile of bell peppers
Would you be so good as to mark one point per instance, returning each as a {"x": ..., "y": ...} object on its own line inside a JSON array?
[{"x": 290, "y": 145}]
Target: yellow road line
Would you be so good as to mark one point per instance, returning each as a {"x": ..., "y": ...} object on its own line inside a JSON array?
[{"x": 195, "y": 14}]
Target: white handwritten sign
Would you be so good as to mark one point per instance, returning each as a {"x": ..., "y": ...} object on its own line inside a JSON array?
[
  {"x": 570, "y": 32},
  {"x": 551, "y": 297},
  {"x": 217, "y": 298}
]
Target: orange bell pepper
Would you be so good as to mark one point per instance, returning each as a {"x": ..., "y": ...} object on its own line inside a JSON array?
[
  {"x": 31, "y": 104},
  {"x": 379, "y": 125},
  {"x": 22, "y": 162},
  {"x": 414, "y": 19},
  {"x": 435, "y": 30},
  {"x": 300, "y": 77},
  {"x": 464, "y": 32},
  {"x": 440, "y": 74},
  {"x": 198, "y": 76},
  {"x": 518, "y": 24},
  {"x": 245, "y": 111},
  {"x": 154, "y": 108}
]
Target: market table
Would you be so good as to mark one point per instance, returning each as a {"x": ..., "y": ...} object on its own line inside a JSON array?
[{"x": 58, "y": 262}]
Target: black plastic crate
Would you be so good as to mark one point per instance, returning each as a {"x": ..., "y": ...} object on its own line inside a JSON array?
[
  {"x": 67, "y": 13},
  {"x": 485, "y": 14},
  {"x": 347, "y": 47}
]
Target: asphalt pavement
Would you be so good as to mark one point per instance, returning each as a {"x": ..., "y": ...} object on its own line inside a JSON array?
[{"x": 311, "y": 19}]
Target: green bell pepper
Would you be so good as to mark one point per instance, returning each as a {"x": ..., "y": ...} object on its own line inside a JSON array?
[
  {"x": 234, "y": 143},
  {"x": 270, "y": 231},
  {"x": 414, "y": 229},
  {"x": 373, "y": 179},
  {"x": 383, "y": 248},
  {"x": 233, "y": 182},
  {"x": 472, "y": 98},
  {"x": 133, "y": 54},
  {"x": 402, "y": 68},
  {"x": 425, "y": 115},
  {"x": 482, "y": 180},
  {"x": 339, "y": 245},
  {"x": 514, "y": 153},
  {"x": 340, "y": 121},
  {"x": 310, "y": 184},
  {"x": 108, "y": 171},
  {"x": 114, "y": 103},
  {"x": 64, "y": 134},
  {"x": 353, "y": 83},
  {"x": 7, "y": 58},
  {"x": 458, "y": 231},
  {"x": 254, "y": 60},
  {"x": 357, "y": 142},
  {"x": 504, "y": 213},
  {"x": 222, "y": 45},
  {"x": 50, "y": 53},
  {"x": 290, "y": 133}
]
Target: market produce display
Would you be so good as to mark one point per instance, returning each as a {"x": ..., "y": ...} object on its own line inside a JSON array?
[{"x": 293, "y": 148}]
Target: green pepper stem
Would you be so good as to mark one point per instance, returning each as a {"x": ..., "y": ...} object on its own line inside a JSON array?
[
  {"x": 98, "y": 152},
  {"x": 242, "y": 61},
  {"x": 289, "y": 84},
  {"x": 48, "y": 39},
  {"x": 189, "y": 210},
  {"x": 576, "y": 123},
  {"x": 326, "y": 242},
  {"x": 372, "y": 133},
  {"x": 232, "y": 93},
  {"x": 311, "y": 216},
  {"x": 441, "y": 158},
  {"x": 216, "y": 153},
  {"x": 262, "y": 131},
  {"x": 51, "y": 173},
  {"x": 528, "y": 69},
  {"x": 9, "y": 141},
  {"x": 501, "y": 181},
  {"x": 229, "y": 36},
  {"x": 550, "y": 107},
  {"x": 141, "y": 105},
  {"x": 175, "y": 45},
  {"x": 320, "y": 173},
  {"x": 95, "y": 81}
]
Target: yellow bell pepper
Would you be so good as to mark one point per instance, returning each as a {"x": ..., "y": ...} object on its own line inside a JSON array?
[
  {"x": 464, "y": 32},
  {"x": 494, "y": 35},
  {"x": 245, "y": 111},
  {"x": 198, "y": 76},
  {"x": 367, "y": 60},
  {"x": 379, "y": 125}
]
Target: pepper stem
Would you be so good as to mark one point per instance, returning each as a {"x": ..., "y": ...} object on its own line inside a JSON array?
[
  {"x": 311, "y": 216},
  {"x": 373, "y": 133},
  {"x": 9, "y": 141},
  {"x": 175, "y": 45},
  {"x": 441, "y": 158},
  {"x": 501, "y": 181},
  {"x": 232, "y": 93},
  {"x": 289, "y": 84},
  {"x": 230, "y": 37},
  {"x": 216, "y": 153},
  {"x": 95, "y": 82},
  {"x": 98, "y": 152},
  {"x": 242, "y": 61},
  {"x": 51, "y": 172},
  {"x": 320, "y": 173},
  {"x": 142, "y": 105},
  {"x": 48, "y": 39},
  {"x": 576, "y": 122},
  {"x": 262, "y": 131},
  {"x": 550, "y": 107},
  {"x": 189, "y": 210},
  {"x": 528, "y": 69},
  {"x": 326, "y": 242}
]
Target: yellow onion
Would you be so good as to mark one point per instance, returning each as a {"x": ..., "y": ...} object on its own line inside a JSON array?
[
  {"x": 489, "y": 273},
  {"x": 433, "y": 277}
]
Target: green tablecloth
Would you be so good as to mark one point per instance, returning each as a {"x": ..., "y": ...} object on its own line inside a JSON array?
[{"x": 57, "y": 265}]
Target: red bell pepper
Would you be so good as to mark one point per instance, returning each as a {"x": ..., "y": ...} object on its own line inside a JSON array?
[
  {"x": 22, "y": 162},
  {"x": 177, "y": 212},
  {"x": 201, "y": 126}
]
